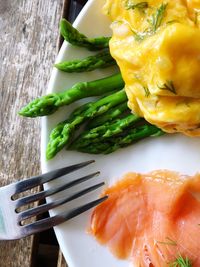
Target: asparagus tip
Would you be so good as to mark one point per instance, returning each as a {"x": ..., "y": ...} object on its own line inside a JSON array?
[
  {"x": 23, "y": 112},
  {"x": 57, "y": 65}
]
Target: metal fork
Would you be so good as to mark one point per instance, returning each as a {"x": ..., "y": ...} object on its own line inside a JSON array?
[{"x": 11, "y": 218}]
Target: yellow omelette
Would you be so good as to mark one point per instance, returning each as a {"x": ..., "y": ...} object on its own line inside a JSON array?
[{"x": 157, "y": 47}]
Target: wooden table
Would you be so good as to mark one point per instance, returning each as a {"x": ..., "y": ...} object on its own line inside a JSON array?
[{"x": 28, "y": 47}]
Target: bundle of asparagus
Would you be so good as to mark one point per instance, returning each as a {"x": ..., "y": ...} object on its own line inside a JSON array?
[{"x": 110, "y": 124}]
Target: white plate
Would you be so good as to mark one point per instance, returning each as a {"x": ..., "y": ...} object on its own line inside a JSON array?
[{"x": 173, "y": 152}]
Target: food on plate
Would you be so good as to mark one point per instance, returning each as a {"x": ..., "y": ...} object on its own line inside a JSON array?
[
  {"x": 98, "y": 61},
  {"x": 156, "y": 45},
  {"x": 151, "y": 219},
  {"x": 108, "y": 116},
  {"x": 108, "y": 137},
  {"x": 48, "y": 104},
  {"x": 117, "y": 127},
  {"x": 111, "y": 142},
  {"x": 74, "y": 37},
  {"x": 105, "y": 138},
  {"x": 63, "y": 132},
  {"x": 107, "y": 130}
]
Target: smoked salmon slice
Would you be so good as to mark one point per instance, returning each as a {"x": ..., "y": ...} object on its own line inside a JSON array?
[{"x": 151, "y": 219}]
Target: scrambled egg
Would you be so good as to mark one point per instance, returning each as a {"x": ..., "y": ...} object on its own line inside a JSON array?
[{"x": 157, "y": 47}]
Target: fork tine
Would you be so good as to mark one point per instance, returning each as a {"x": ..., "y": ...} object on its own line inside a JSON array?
[
  {"x": 46, "y": 207},
  {"x": 41, "y": 195},
  {"x": 47, "y": 177},
  {"x": 47, "y": 223}
]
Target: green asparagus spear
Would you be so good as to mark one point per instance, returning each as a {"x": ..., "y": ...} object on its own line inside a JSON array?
[
  {"x": 97, "y": 148},
  {"x": 50, "y": 103},
  {"x": 74, "y": 37},
  {"x": 116, "y": 142},
  {"x": 105, "y": 131},
  {"x": 63, "y": 132},
  {"x": 108, "y": 116},
  {"x": 98, "y": 61}
]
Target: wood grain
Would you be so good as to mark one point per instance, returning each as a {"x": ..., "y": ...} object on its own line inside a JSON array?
[{"x": 29, "y": 34}]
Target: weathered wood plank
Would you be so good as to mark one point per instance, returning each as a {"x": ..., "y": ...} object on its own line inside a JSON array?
[{"x": 29, "y": 33}]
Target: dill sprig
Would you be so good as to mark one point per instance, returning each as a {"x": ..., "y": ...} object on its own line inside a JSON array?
[
  {"x": 181, "y": 262},
  {"x": 169, "y": 86},
  {"x": 146, "y": 91},
  {"x": 168, "y": 241},
  {"x": 155, "y": 20},
  {"x": 196, "y": 16},
  {"x": 157, "y": 17},
  {"x": 172, "y": 21},
  {"x": 138, "y": 36},
  {"x": 141, "y": 5}
]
